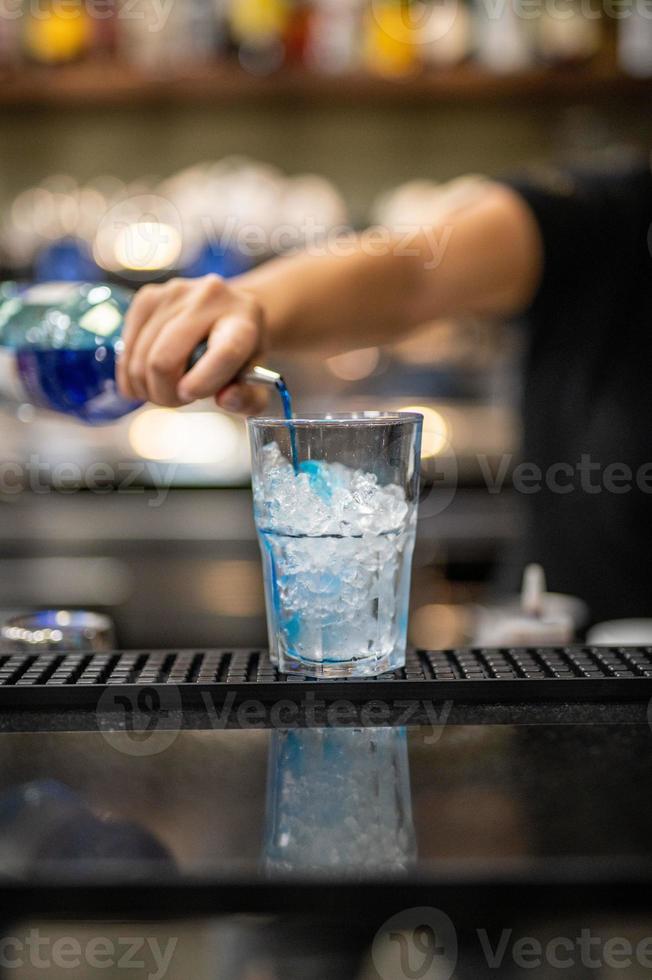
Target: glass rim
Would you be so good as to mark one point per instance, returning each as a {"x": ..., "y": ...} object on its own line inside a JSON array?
[{"x": 343, "y": 419}]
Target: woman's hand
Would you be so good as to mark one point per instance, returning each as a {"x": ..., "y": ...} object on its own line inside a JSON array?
[{"x": 163, "y": 327}]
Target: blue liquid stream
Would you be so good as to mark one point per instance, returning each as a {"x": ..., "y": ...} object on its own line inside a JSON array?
[{"x": 286, "y": 402}]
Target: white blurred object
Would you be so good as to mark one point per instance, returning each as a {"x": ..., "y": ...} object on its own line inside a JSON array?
[
  {"x": 333, "y": 44},
  {"x": 56, "y": 208},
  {"x": 408, "y": 203},
  {"x": 141, "y": 232},
  {"x": 572, "y": 38},
  {"x": 445, "y": 35},
  {"x": 185, "y": 192},
  {"x": 154, "y": 226},
  {"x": 252, "y": 207},
  {"x": 423, "y": 202},
  {"x": 193, "y": 437},
  {"x": 502, "y": 41},
  {"x": 252, "y": 195},
  {"x": 311, "y": 207},
  {"x": 533, "y": 590},
  {"x": 155, "y": 37},
  {"x": 355, "y": 364},
  {"x": 621, "y": 632},
  {"x": 535, "y": 618},
  {"x": 635, "y": 44}
]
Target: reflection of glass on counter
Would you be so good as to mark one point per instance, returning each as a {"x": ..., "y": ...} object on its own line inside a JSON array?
[{"x": 338, "y": 801}]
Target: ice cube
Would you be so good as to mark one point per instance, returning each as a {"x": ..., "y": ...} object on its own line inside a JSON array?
[{"x": 324, "y": 498}]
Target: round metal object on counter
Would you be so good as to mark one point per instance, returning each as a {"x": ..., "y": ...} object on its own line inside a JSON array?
[{"x": 58, "y": 630}]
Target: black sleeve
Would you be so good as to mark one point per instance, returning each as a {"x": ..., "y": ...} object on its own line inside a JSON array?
[{"x": 595, "y": 226}]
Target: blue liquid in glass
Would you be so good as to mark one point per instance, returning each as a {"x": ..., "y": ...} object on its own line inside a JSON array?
[
  {"x": 286, "y": 401},
  {"x": 80, "y": 383}
]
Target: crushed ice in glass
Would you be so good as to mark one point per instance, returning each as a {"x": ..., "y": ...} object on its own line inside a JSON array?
[
  {"x": 324, "y": 498},
  {"x": 337, "y": 548}
]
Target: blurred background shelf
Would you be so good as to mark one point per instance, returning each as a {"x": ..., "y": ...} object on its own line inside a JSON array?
[{"x": 113, "y": 84}]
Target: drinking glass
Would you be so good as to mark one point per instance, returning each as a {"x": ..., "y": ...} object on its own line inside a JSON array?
[{"x": 335, "y": 506}]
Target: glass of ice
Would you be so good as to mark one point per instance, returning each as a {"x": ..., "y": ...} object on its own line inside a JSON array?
[{"x": 335, "y": 505}]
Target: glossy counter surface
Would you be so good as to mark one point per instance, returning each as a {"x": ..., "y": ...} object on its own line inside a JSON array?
[{"x": 255, "y": 819}]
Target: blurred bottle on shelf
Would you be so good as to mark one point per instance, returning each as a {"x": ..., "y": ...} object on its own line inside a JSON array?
[
  {"x": 391, "y": 39},
  {"x": 297, "y": 31},
  {"x": 207, "y": 30},
  {"x": 446, "y": 33},
  {"x": 105, "y": 29},
  {"x": 258, "y": 28},
  {"x": 502, "y": 41},
  {"x": 10, "y": 39},
  {"x": 333, "y": 44},
  {"x": 635, "y": 43},
  {"x": 172, "y": 36},
  {"x": 569, "y": 40},
  {"x": 54, "y": 34}
]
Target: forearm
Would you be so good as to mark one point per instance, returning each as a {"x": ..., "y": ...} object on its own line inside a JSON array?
[
  {"x": 484, "y": 259},
  {"x": 332, "y": 301}
]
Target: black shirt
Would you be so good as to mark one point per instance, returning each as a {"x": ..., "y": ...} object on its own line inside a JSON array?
[{"x": 588, "y": 389}]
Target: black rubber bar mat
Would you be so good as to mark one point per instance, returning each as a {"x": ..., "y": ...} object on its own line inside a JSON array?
[{"x": 464, "y": 675}]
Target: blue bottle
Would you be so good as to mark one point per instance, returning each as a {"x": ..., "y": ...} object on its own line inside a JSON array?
[{"x": 58, "y": 347}]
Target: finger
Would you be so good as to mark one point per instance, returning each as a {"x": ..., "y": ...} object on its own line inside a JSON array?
[
  {"x": 243, "y": 399},
  {"x": 167, "y": 360},
  {"x": 193, "y": 307},
  {"x": 196, "y": 323},
  {"x": 232, "y": 344},
  {"x": 141, "y": 308}
]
